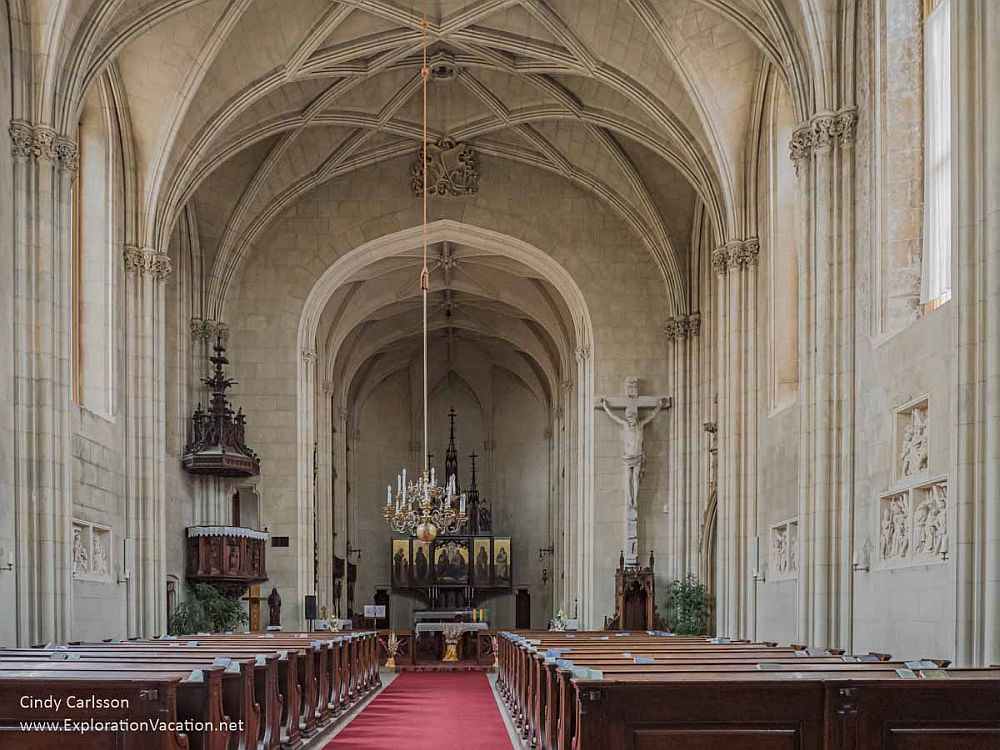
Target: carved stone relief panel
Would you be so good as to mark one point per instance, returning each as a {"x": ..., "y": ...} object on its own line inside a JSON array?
[
  {"x": 913, "y": 525},
  {"x": 783, "y": 550},
  {"x": 894, "y": 527},
  {"x": 912, "y": 449},
  {"x": 452, "y": 169},
  {"x": 91, "y": 551}
]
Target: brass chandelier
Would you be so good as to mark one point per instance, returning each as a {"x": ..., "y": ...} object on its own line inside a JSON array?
[{"x": 420, "y": 507}]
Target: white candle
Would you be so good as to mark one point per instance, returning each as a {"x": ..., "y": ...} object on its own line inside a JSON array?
[
  {"x": 432, "y": 475},
  {"x": 461, "y": 507},
  {"x": 388, "y": 495}
]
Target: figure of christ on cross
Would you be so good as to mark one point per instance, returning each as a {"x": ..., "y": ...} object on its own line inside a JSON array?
[{"x": 633, "y": 456}]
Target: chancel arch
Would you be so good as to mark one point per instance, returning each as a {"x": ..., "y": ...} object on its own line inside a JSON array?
[{"x": 501, "y": 312}]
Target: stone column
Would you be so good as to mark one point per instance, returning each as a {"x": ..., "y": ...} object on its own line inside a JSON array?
[
  {"x": 583, "y": 517},
  {"x": 682, "y": 336},
  {"x": 324, "y": 495},
  {"x": 145, "y": 443},
  {"x": 338, "y": 546},
  {"x": 563, "y": 565},
  {"x": 824, "y": 158},
  {"x": 736, "y": 266},
  {"x": 45, "y": 164},
  {"x": 304, "y": 555},
  {"x": 976, "y": 292}
]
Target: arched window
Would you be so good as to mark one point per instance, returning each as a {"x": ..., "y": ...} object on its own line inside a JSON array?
[
  {"x": 94, "y": 266},
  {"x": 935, "y": 272}
]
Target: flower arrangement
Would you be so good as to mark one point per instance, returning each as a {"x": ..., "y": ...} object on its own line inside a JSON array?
[
  {"x": 495, "y": 645},
  {"x": 391, "y": 645},
  {"x": 452, "y": 632},
  {"x": 335, "y": 624},
  {"x": 558, "y": 623}
]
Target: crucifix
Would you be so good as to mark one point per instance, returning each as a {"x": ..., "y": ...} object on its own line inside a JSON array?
[{"x": 633, "y": 457}]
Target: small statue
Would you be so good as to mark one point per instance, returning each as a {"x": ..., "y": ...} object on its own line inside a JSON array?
[{"x": 274, "y": 608}]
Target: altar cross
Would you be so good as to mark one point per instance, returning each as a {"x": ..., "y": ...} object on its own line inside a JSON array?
[{"x": 633, "y": 457}]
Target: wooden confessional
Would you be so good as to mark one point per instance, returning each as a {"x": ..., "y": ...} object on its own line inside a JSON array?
[{"x": 635, "y": 600}]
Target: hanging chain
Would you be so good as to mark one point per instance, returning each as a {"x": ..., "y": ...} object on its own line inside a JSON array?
[{"x": 425, "y": 277}]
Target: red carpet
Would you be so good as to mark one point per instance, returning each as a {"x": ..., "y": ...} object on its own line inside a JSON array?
[{"x": 428, "y": 711}]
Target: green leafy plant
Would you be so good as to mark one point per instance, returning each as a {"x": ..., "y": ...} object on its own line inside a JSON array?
[
  {"x": 688, "y": 603},
  {"x": 206, "y": 610}
]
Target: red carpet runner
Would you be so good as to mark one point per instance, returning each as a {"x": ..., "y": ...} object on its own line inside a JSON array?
[{"x": 428, "y": 711}]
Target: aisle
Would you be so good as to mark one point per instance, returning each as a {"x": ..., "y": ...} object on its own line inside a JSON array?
[{"x": 428, "y": 711}]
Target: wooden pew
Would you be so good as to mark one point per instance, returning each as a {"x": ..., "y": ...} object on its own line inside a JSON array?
[
  {"x": 150, "y": 700},
  {"x": 786, "y": 710},
  {"x": 241, "y": 700},
  {"x": 283, "y": 687},
  {"x": 195, "y": 701},
  {"x": 774, "y": 698}
]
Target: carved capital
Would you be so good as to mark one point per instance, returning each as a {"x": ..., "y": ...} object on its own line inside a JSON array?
[
  {"x": 800, "y": 146},
  {"x": 720, "y": 260},
  {"x": 582, "y": 353},
  {"x": 328, "y": 387},
  {"x": 567, "y": 386},
  {"x": 683, "y": 327},
  {"x": 146, "y": 261},
  {"x": 205, "y": 330},
  {"x": 29, "y": 141},
  {"x": 694, "y": 322},
  {"x": 822, "y": 132},
  {"x": 710, "y": 427},
  {"x": 308, "y": 356},
  {"x": 744, "y": 254}
]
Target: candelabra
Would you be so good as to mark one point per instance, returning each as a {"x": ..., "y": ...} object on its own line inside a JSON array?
[{"x": 423, "y": 509}]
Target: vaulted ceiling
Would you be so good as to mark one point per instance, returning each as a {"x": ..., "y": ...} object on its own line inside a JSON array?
[
  {"x": 234, "y": 110},
  {"x": 485, "y": 312},
  {"x": 240, "y": 107}
]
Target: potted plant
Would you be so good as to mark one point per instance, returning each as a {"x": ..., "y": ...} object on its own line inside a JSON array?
[
  {"x": 687, "y": 606},
  {"x": 206, "y": 611}
]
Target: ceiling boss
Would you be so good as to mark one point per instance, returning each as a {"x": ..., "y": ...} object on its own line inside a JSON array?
[{"x": 420, "y": 507}]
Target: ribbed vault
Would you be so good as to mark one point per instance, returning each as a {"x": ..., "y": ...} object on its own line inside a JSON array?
[{"x": 241, "y": 107}]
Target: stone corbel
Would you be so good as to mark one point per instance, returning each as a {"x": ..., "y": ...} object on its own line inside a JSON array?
[
  {"x": 147, "y": 262},
  {"x": 29, "y": 141}
]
